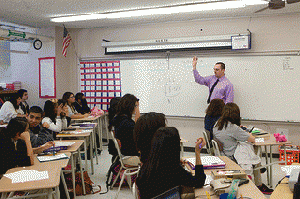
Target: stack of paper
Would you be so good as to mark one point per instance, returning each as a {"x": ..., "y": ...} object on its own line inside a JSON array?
[
  {"x": 51, "y": 158},
  {"x": 27, "y": 176},
  {"x": 208, "y": 162}
]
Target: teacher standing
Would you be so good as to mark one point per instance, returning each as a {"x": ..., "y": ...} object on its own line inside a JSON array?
[{"x": 219, "y": 86}]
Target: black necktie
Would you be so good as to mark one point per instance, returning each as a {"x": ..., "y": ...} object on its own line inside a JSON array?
[{"x": 211, "y": 90}]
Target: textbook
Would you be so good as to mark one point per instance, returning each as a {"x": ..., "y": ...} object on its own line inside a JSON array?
[
  {"x": 48, "y": 158},
  {"x": 208, "y": 162},
  {"x": 84, "y": 125}
]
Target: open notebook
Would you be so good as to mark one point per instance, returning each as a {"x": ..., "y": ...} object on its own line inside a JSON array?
[{"x": 208, "y": 162}]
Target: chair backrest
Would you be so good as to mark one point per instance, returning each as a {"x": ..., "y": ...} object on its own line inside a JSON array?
[
  {"x": 117, "y": 147},
  {"x": 207, "y": 143},
  {"x": 173, "y": 193},
  {"x": 135, "y": 191},
  {"x": 216, "y": 148}
]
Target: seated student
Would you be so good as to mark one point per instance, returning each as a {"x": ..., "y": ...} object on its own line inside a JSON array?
[
  {"x": 144, "y": 130},
  {"x": 229, "y": 133},
  {"x": 73, "y": 114},
  {"x": 54, "y": 119},
  {"x": 15, "y": 146},
  {"x": 124, "y": 124},
  {"x": 9, "y": 109},
  {"x": 112, "y": 111},
  {"x": 213, "y": 113},
  {"x": 163, "y": 170},
  {"x": 38, "y": 134},
  {"x": 80, "y": 104},
  {"x": 23, "y": 105}
]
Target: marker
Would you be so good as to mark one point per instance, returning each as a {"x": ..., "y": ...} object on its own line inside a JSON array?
[
  {"x": 200, "y": 146},
  {"x": 208, "y": 195}
]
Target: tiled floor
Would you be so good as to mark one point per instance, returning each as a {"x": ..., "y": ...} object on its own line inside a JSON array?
[{"x": 101, "y": 169}]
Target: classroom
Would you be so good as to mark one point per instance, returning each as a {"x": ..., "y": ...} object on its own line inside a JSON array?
[{"x": 265, "y": 77}]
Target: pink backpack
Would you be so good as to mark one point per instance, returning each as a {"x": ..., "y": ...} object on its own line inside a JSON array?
[{"x": 96, "y": 111}]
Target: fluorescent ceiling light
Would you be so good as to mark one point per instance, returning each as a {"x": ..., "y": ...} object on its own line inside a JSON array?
[{"x": 163, "y": 10}]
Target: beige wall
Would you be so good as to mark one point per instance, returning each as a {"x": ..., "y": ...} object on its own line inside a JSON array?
[{"x": 277, "y": 33}]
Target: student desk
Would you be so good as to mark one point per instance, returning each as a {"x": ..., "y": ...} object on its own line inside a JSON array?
[
  {"x": 249, "y": 189},
  {"x": 73, "y": 150},
  {"x": 54, "y": 172},
  {"x": 97, "y": 120},
  {"x": 268, "y": 143},
  {"x": 85, "y": 137},
  {"x": 282, "y": 191}
]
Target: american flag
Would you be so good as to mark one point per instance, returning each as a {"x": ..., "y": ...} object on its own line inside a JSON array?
[{"x": 66, "y": 41}]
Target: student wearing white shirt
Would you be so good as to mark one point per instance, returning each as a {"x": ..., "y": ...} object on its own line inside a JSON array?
[
  {"x": 9, "y": 109},
  {"x": 70, "y": 99},
  {"x": 55, "y": 116}
]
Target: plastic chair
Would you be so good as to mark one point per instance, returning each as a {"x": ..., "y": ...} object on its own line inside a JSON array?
[
  {"x": 216, "y": 148},
  {"x": 209, "y": 150},
  {"x": 129, "y": 170}
]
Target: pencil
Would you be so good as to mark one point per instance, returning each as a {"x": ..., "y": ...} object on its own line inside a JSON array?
[
  {"x": 242, "y": 196},
  {"x": 208, "y": 195}
]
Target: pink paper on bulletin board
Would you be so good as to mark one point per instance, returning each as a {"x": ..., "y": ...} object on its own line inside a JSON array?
[{"x": 47, "y": 77}]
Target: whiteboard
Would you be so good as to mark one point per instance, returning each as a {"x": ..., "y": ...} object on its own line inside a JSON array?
[{"x": 265, "y": 87}]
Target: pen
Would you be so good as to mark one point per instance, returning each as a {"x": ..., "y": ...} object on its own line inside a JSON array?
[
  {"x": 208, "y": 195},
  {"x": 200, "y": 145}
]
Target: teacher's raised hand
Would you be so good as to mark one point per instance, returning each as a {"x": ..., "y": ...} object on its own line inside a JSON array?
[{"x": 195, "y": 59}]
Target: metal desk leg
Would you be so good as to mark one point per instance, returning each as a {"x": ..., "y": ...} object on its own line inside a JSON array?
[
  {"x": 82, "y": 177},
  {"x": 64, "y": 183},
  {"x": 85, "y": 152},
  {"x": 100, "y": 132},
  {"x": 73, "y": 174},
  {"x": 181, "y": 149},
  {"x": 57, "y": 193},
  {"x": 50, "y": 194},
  {"x": 268, "y": 168},
  {"x": 95, "y": 145},
  {"x": 271, "y": 167},
  {"x": 4, "y": 195},
  {"x": 285, "y": 154},
  {"x": 91, "y": 153}
]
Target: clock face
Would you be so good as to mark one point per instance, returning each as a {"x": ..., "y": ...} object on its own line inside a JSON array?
[{"x": 37, "y": 44}]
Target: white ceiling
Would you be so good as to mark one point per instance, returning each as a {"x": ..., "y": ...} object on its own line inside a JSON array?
[{"x": 37, "y": 13}]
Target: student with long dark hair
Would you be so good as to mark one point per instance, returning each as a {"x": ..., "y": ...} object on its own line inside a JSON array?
[
  {"x": 80, "y": 104},
  {"x": 9, "y": 109},
  {"x": 54, "y": 118},
  {"x": 163, "y": 170},
  {"x": 124, "y": 125},
  {"x": 144, "y": 130},
  {"x": 213, "y": 113},
  {"x": 72, "y": 113},
  {"x": 15, "y": 145}
]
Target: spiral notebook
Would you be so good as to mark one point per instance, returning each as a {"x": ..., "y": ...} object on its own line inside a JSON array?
[{"x": 208, "y": 162}]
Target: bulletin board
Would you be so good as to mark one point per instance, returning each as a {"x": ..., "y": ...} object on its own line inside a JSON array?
[
  {"x": 100, "y": 82},
  {"x": 47, "y": 77}
]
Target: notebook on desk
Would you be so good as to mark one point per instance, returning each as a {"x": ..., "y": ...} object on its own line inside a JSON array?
[{"x": 208, "y": 162}]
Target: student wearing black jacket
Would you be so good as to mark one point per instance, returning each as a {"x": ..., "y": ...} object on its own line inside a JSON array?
[
  {"x": 80, "y": 104},
  {"x": 163, "y": 170}
]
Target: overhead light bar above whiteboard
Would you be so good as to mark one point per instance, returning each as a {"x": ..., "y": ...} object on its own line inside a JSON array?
[{"x": 174, "y": 44}]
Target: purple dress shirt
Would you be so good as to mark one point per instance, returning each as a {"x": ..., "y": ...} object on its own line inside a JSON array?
[{"x": 223, "y": 90}]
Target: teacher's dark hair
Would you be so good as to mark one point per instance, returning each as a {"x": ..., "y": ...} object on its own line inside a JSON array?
[
  {"x": 222, "y": 65},
  {"x": 215, "y": 107},
  {"x": 126, "y": 105},
  {"x": 144, "y": 130},
  {"x": 164, "y": 156},
  {"x": 231, "y": 113}
]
